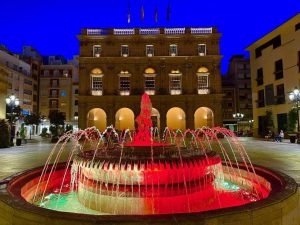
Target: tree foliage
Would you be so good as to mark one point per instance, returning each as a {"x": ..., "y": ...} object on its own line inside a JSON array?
[
  {"x": 292, "y": 119},
  {"x": 4, "y": 134},
  {"x": 57, "y": 118}
]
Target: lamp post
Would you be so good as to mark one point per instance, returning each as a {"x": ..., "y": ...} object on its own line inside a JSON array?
[
  {"x": 238, "y": 116},
  {"x": 12, "y": 101},
  {"x": 294, "y": 96}
]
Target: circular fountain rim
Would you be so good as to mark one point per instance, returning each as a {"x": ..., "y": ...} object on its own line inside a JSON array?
[{"x": 283, "y": 186}]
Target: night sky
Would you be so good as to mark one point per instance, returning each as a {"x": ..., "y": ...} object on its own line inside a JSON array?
[{"x": 51, "y": 26}]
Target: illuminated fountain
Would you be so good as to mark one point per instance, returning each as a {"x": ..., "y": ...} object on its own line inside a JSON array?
[{"x": 137, "y": 173}]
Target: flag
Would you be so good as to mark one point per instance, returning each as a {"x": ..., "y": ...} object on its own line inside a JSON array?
[
  {"x": 128, "y": 15},
  {"x": 142, "y": 13},
  {"x": 168, "y": 11},
  {"x": 156, "y": 14}
]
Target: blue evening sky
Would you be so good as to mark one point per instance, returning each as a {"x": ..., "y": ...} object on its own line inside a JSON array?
[{"x": 51, "y": 26}]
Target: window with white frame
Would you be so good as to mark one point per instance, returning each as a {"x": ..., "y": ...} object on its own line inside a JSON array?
[
  {"x": 97, "y": 85},
  {"x": 124, "y": 85},
  {"x": 201, "y": 49},
  {"x": 203, "y": 83},
  {"x": 124, "y": 50},
  {"x": 175, "y": 82},
  {"x": 173, "y": 50},
  {"x": 149, "y": 50},
  {"x": 97, "y": 50},
  {"x": 149, "y": 85}
]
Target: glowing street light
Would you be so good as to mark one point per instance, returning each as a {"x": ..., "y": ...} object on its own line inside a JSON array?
[
  {"x": 294, "y": 96},
  {"x": 12, "y": 101},
  {"x": 238, "y": 116}
]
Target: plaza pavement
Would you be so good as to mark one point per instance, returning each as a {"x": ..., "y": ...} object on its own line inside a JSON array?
[{"x": 284, "y": 157}]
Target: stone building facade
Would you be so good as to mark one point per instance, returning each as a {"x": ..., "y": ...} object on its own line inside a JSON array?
[
  {"x": 236, "y": 85},
  {"x": 275, "y": 72},
  {"x": 178, "y": 67}
]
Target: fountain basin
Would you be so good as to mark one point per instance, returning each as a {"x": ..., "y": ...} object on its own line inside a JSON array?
[{"x": 281, "y": 207}]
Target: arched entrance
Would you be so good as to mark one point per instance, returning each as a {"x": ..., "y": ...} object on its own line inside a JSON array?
[
  {"x": 155, "y": 116},
  {"x": 203, "y": 117},
  {"x": 124, "y": 119},
  {"x": 176, "y": 118},
  {"x": 97, "y": 117}
]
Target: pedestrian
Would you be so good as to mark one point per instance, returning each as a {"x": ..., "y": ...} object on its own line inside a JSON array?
[{"x": 281, "y": 135}]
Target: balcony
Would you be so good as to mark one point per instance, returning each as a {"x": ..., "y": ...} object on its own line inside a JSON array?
[
  {"x": 96, "y": 92},
  {"x": 124, "y": 92},
  {"x": 203, "y": 91}
]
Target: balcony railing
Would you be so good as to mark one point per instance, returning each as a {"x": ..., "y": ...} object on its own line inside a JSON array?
[
  {"x": 124, "y": 31},
  {"x": 174, "y": 30},
  {"x": 148, "y": 31},
  {"x": 202, "y": 30},
  {"x": 203, "y": 91},
  {"x": 96, "y": 92}
]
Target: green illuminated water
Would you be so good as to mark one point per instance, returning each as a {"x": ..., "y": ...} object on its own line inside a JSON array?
[{"x": 69, "y": 202}]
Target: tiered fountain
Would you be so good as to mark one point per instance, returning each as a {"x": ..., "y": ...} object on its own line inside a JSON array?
[{"x": 138, "y": 173}]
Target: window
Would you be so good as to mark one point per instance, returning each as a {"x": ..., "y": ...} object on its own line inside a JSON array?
[
  {"x": 29, "y": 82},
  {"x": 27, "y": 92},
  {"x": 66, "y": 73},
  {"x": 96, "y": 82},
  {"x": 46, "y": 73},
  {"x": 201, "y": 49},
  {"x": 241, "y": 75},
  {"x": 269, "y": 90},
  {"x": 76, "y": 91},
  {"x": 280, "y": 98},
  {"x": 297, "y": 26},
  {"x": 278, "y": 69},
  {"x": 173, "y": 50},
  {"x": 203, "y": 84},
  {"x": 175, "y": 82},
  {"x": 261, "y": 98},
  {"x": 124, "y": 50},
  {"x": 53, "y": 104},
  {"x": 54, "y": 83},
  {"x": 97, "y": 51},
  {"x": 124, "y": 85},
  {"x": 53, "y": 93},
  {"x": 260, "y": 77},
  {"x": 56, "y": 73},
  {"x": 35, "y": 87},
  {"x": 97, "y": 85},
  {"x": 149, "y": 50},
  {"x": 150, "y": 85},
  {"x": 76, "y": 102}
]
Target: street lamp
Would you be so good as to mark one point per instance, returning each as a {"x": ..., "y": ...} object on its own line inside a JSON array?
[
  {"x": 294, "y": 96},
  {"x": 12, "y": 101},
  {"x": 238, "y": 116}
]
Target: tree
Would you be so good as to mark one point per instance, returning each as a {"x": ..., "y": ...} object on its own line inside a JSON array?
[
  {"x": 292, "y": 119},
  {"x": 32, "y": 119},
  {"x": 4, "y": 134},
  {"x": 13, "y": 113},
  {"x": 57, "y": 119}
]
